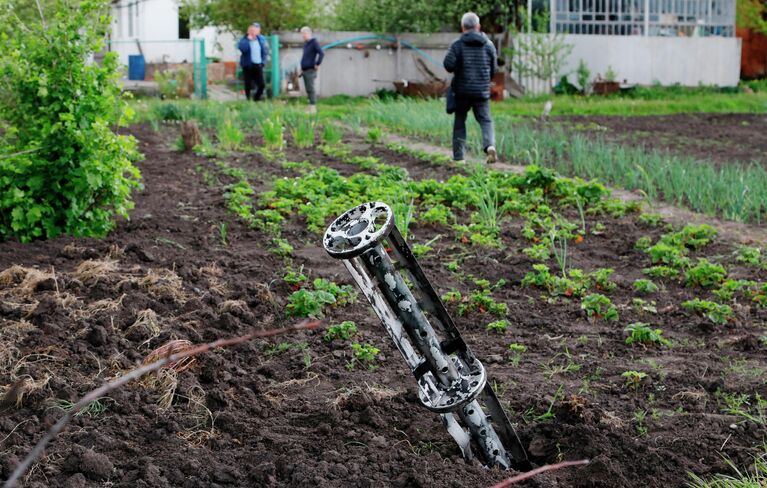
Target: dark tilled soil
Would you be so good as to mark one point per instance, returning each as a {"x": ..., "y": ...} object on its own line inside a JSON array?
[
  {"x": 300, "y": 417},
  {"x": 722, "y": 138}
]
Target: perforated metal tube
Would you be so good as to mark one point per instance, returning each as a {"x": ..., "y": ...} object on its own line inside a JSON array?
[{"x": 451, "y": 380}]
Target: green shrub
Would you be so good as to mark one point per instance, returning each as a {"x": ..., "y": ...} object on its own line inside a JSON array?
[{"x": 63, "y": 170}]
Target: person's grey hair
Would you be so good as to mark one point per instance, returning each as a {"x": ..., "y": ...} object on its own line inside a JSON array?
[
  {"x": 307, "y": 29},
  {"x": 470, "y": 20}
]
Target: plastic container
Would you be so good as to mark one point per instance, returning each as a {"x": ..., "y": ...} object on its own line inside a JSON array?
[{"x": 136, "y": 67}]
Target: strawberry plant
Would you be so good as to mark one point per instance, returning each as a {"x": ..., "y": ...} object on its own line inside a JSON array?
[
  {"x": 727, "y": 290},
  {"x": 363, "y": 354},
  {"x": 641, "y": 333},
  {"x": 438, "y": 214},
  {"x": 516, "y": 350},
  {"x": 295, "y": 278},
  {"x": 598, "y": 306},
  {"x": 453, "y": 296},
  {"x": 343, "y": 331},
  {"x": 482, "y": 302},
  {"x": 633, "y": 378},
  {"x": 661, "y": 272},
  {"x": 643, "y": 243},
  {"x": 716, "y": 313},
  {"x": 312, "y": 303},
  {"x": 645, "y": 286},
  {"x": 601, "y": 279},
  {"x": 499, "y": 326},
  {"x": 705, "y": 274},
  {"x": 750, "y": 255},
  {"x": 653, "y": 220},
  {"x": 64, "y": 169}
]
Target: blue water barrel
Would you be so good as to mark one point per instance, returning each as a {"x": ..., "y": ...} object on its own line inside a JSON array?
[{"x": 136, "y": 67}]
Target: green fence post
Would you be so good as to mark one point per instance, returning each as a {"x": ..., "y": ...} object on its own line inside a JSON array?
[
  {"x": 203, "y": 69},
  {"x": 275, "y": 45}
]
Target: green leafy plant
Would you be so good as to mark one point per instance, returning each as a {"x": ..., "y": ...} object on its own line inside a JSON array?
[
  {"x": 499, "y": 326},
  {"x": 601, "y": 279},
  {"x": 363, "y": 354},
  {"x": 661, "y": 272},
  {"x": 598, "y": 306},
  {"x": 727, "y": 290},
  {"x": 343, "y": 331},
  {"x": 633, "y": 378},
  {"x": 295, "y": 278},
  {"x": 312, "y": 303},
  {"x": 716, "y": 313},
  {"x": 749, "y": 255},
  {"x": 482, "y": 301},
  {"x": 645, "y": 286},
  {"x": 705, "y": 274},
  {"x": 64, "y": 169},
  {"x": 641, "y": 333},
  {"x": 516, "y": 351}
]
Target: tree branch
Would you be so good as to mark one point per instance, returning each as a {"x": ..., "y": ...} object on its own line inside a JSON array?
[
  {"x": 136, "y": 374},
  {"x": 549, "y": 467}
]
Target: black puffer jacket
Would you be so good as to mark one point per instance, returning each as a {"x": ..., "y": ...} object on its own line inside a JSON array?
[{"x": 473, "y": 61}]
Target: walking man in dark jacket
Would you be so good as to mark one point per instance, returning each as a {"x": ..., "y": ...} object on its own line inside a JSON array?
[
  {"x": 473, "y": 61},
  {"x": 310, "y": 64},
  {"x": 255, "y": 54}
]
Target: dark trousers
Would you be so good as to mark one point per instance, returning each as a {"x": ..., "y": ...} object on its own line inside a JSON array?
[
  {"x": 254, "y": 76},
  {"x": 481, "y": 109},
  {"x": 309, "y": 76}
]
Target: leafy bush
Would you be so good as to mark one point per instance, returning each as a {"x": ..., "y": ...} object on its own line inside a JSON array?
[{"x": 64, "y": 170}]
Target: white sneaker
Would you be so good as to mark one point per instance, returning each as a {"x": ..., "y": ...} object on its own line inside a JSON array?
[
  {"x": 312, "y": 109},
  {"x": 492, "y": 155}
]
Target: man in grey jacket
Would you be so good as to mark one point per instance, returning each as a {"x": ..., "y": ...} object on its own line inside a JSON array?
[{"x": 473, "y": 61}]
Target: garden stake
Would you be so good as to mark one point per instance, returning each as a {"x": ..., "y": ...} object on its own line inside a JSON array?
[{"x": 451, "y": 380}]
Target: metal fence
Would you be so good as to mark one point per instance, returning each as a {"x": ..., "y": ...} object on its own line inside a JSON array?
[{"x": 670, "y": 18}]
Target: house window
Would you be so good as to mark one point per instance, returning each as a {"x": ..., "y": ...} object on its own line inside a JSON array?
[{"x": 183, "y": 26}]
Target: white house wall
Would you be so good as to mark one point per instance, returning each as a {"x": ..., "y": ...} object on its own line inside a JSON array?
[{"x": 688, "y": 61}]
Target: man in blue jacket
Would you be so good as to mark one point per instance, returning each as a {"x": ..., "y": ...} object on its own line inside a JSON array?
[
  {"x": 255, "y": 54},
  {"x": 310, "y": 64},
  {"x": 473, "y": 61}
]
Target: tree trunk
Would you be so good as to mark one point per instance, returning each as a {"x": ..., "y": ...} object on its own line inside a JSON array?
[{"x": 191, "y": 134}]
